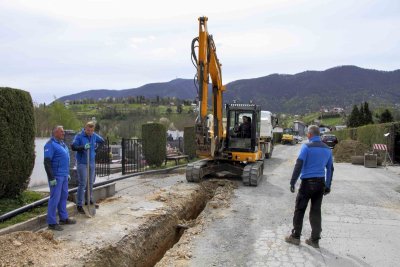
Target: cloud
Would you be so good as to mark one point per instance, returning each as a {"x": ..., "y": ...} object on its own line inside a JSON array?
[
  {"x": 138, "y": 41},
  {"x": 68, "y": 46}
]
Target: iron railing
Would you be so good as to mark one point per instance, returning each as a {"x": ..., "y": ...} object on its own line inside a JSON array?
[
  {"x": 103, "y": 159},
  {"x": 132, "y": 156}
]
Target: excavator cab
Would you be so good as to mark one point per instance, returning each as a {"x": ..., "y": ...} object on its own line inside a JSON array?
[{"x": 243, "y": 128}]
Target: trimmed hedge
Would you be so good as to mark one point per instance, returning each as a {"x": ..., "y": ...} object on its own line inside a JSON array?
[
  {"x": 17, "y": 145},
  {"x": 277, "y": 138},
  {"x": 189, "y": 145},
  {"x": 154, "y": 143},
  {"x": 370, "y": 134}
]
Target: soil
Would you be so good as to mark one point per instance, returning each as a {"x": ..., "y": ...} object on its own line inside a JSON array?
[
  {"x": 41, "y": 248},
  {"x": 345, "y": 149},
  {"x": 143, "y": 245},
  {"x": 181, "y": 253},
  {"x": 27, "y": 248},
  {"x": 161, "y": 231}
]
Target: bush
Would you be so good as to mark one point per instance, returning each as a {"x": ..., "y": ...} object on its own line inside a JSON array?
[
  {"x": 154, "y": 143},
  {"x": 277, "y": 138},
  {"x": 17, "y": 146},
  {"x": 189, "y": 145}
]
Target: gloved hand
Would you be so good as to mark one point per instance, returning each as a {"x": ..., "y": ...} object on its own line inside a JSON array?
[
  {"x": 69, "y": 178},
  {"x": 292, "y": 188},
  {"x": 327, "y": 191},
  {"x": 53, "y": 182},
  {"x": 87, "y": 146}
]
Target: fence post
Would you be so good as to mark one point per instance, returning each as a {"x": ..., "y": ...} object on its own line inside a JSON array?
[{"x": 123, "y": 155}]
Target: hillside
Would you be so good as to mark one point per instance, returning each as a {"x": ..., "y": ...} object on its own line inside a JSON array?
[{"x": 299, "y": 93}]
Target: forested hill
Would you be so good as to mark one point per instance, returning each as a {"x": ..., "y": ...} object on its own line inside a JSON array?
[{"x": 303, "y": 92}]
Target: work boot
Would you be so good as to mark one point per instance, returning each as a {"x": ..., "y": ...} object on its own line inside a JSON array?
[
  {"x": 55, "y": 227},
  {"x": 67, "y": 221},
  {"x": 313, "y": 243},
  {"x": 292, "y": 240},
  {"x": 80, "y": 209}
]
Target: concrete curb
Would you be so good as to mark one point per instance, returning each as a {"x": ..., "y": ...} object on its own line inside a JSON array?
[
  {"x": 39, "y": 222},
  {"x": 36, "y": 223}
]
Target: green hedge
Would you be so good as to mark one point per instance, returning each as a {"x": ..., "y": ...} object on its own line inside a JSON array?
[
  {"x": 189, "y": 145},
  {"x": 277, "y": 138},
  {"x": 368, "y": 134},
  {"x": 154, "y": 143},
  {"x": 17, "y": 141}
]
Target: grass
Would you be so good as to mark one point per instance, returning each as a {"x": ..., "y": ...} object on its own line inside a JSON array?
[
  {"x": 332, "y": 121},
  {"x": 27, "y": 197},
  {"x": 171, "y": 163}
]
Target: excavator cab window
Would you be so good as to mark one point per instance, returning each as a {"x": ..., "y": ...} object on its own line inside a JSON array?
[{"x": 240, "y": 129}]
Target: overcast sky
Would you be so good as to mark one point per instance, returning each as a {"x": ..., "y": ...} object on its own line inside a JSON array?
[{"x": 56, "y": 47}]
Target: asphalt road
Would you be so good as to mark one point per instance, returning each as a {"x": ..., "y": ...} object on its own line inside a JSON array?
[{"x": 361, "y": 221}]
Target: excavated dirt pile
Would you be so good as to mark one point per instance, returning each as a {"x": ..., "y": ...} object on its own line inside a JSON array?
[
  {"x": 345, "y": 149},
  {"x": 26, "y": 248}
]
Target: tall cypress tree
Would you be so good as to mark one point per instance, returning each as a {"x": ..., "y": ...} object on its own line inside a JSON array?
[
  {"x": 354, "y": 118},
  {"x": 361, "y": 120},
  {"x": 367, "y": 117}
]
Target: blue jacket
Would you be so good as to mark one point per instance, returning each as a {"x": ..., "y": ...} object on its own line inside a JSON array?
[
  {"x": 313, "y": 159},
  {"x": 79, "y": 143},
  {"x": 57, "y": 154}
]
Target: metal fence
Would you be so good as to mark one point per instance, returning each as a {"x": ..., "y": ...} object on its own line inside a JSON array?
[
  {"x": 132, "y": 156},
  {"x": 103, "y": 159}
]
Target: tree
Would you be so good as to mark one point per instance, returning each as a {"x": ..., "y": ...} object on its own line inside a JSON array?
[
  {"x": 59, "y": 115},
  {"x": 386, "y": 116},
  {"x": 362, "y": 115},
  {"x": 179, "y": 109},
  {"x": 354, "y": 118},
  {"x": 17, "y": 135},
  {"x": 367, "y": 115}
]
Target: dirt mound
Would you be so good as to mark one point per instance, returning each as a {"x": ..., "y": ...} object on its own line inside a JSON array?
[
  {"x": 345, "y": 149},
  {"x": 21, "y": 248}
]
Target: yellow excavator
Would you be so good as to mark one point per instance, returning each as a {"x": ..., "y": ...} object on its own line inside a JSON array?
[{"x": 238, "y": 149}]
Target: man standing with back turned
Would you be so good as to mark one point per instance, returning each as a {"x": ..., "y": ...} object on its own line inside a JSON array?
[
  {"x": 313, "y": 159},
  {"x": 86, "y": 142}
]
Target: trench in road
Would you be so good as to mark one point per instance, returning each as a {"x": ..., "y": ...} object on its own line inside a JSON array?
[{"x": 148, "y": 245}]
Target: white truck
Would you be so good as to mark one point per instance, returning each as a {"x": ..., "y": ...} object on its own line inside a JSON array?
[{"x": 268, "y": 123}]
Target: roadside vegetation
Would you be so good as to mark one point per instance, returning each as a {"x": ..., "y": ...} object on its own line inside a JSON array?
[
  {"x": 116, "y": 118},
  {"x": 25, "y": 198}
]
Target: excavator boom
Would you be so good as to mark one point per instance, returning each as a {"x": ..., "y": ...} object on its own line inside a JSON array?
[{"x": 209, "y": 130}]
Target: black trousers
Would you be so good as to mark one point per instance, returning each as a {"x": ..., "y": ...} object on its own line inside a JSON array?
[{"x": 310, "y": 189}]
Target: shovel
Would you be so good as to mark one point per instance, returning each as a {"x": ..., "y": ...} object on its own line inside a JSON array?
[{"x": 89, "y": 209}]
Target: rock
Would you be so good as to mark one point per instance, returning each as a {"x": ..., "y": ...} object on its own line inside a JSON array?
[{"x": 17, "y": 243}]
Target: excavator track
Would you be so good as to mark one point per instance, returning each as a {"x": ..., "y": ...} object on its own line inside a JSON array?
[
  {"x": 194, "y": 172},
  {"x": 252, "y": 173}
]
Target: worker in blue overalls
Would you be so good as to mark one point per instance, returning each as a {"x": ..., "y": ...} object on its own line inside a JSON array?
[
  {"x": 56, "y": 164},
  {"x": 85, "y": 141}
]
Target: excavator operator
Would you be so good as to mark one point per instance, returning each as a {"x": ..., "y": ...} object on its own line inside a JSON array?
[{"x": 244, "y": 129}]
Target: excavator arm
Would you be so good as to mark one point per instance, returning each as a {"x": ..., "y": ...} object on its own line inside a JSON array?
[{"x": 208, "y": 135}]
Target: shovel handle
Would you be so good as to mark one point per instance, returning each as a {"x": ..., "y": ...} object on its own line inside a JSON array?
[{"x": 88, "y": 178}]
